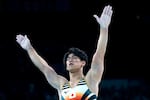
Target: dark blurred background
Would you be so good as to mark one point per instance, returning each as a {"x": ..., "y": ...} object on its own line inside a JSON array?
[{"x": 53, "y": 26}]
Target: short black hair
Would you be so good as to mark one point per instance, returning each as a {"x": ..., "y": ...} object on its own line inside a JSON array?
[{"x": 77, "y": 52}]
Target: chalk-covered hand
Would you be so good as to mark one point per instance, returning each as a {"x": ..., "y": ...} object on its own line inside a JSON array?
[
  {"x": 105, "y": 18},
  {"x": 23, "y": 41}
]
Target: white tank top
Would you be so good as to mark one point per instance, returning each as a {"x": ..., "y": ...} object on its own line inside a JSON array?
[{"x": 79, "y": 92}]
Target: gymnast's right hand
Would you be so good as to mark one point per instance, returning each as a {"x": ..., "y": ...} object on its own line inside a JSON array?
[{"x": 24, "y": 42}]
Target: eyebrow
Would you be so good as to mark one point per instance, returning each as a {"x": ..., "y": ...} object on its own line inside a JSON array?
[{"x": 72, "y": 56}]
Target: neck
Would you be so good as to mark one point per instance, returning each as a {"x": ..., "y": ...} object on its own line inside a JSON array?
[{"x": 75, "y": 76}]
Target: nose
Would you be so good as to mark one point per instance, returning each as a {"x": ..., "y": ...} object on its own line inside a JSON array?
[{"x": 70, "y": 59}]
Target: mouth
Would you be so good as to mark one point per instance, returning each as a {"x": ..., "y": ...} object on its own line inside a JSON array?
[{"x": 70, "y": 64}]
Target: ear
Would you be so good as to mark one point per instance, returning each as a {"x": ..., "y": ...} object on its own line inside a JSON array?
[{"x": 83, "y": 63}]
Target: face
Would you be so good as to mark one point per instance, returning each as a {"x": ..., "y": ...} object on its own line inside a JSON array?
[{"x": 74, "y": 63}]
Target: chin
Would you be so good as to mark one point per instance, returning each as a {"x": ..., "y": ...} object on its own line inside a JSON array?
[{"x": 72, "y": 70}]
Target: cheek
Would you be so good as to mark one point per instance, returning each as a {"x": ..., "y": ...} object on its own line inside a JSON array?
[
  {"x": 78, "y": 64},
  {"x": 67, "y": 62}
]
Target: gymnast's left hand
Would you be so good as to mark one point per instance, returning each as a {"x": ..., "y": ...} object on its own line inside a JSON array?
[{"x": 105, "y": 18}]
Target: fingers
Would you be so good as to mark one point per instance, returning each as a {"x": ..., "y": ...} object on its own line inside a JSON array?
[
  {"x": 108, "y": 10},
  {"x": 26, "y": 37},
  {"x": 105, "y": 10},
  {"x": 20, "y": 38},
  {"x": 96, "y": 17},
  {"x": 110, "y": 13}
]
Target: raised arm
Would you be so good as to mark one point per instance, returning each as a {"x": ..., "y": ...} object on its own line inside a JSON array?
[
  {"x": 97, "y": 65},
  {"x": 53, "y": 78}
]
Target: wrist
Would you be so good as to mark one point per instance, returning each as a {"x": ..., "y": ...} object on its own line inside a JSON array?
[
  {"x": 29, "y": 48},
  {"x": 103, "y": 27}
]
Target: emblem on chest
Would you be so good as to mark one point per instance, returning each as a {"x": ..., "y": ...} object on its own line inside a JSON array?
[{"x": 69, "y": 93}]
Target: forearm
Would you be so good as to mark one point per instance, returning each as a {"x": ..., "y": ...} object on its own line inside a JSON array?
[
  {"x": 52, "y": 77},
  {"x": 102, "y": 43},
  {"x": 37, "y": 60},
  {"x": 98, "y": 58}
]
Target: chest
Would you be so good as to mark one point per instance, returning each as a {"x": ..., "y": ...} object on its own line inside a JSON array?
[{"x": 75, "y": 93}]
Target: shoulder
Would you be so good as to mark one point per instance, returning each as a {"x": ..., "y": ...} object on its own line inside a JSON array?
[
  {"x": 92, "y": 84},
  {"x": 62, "y": 81}
]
